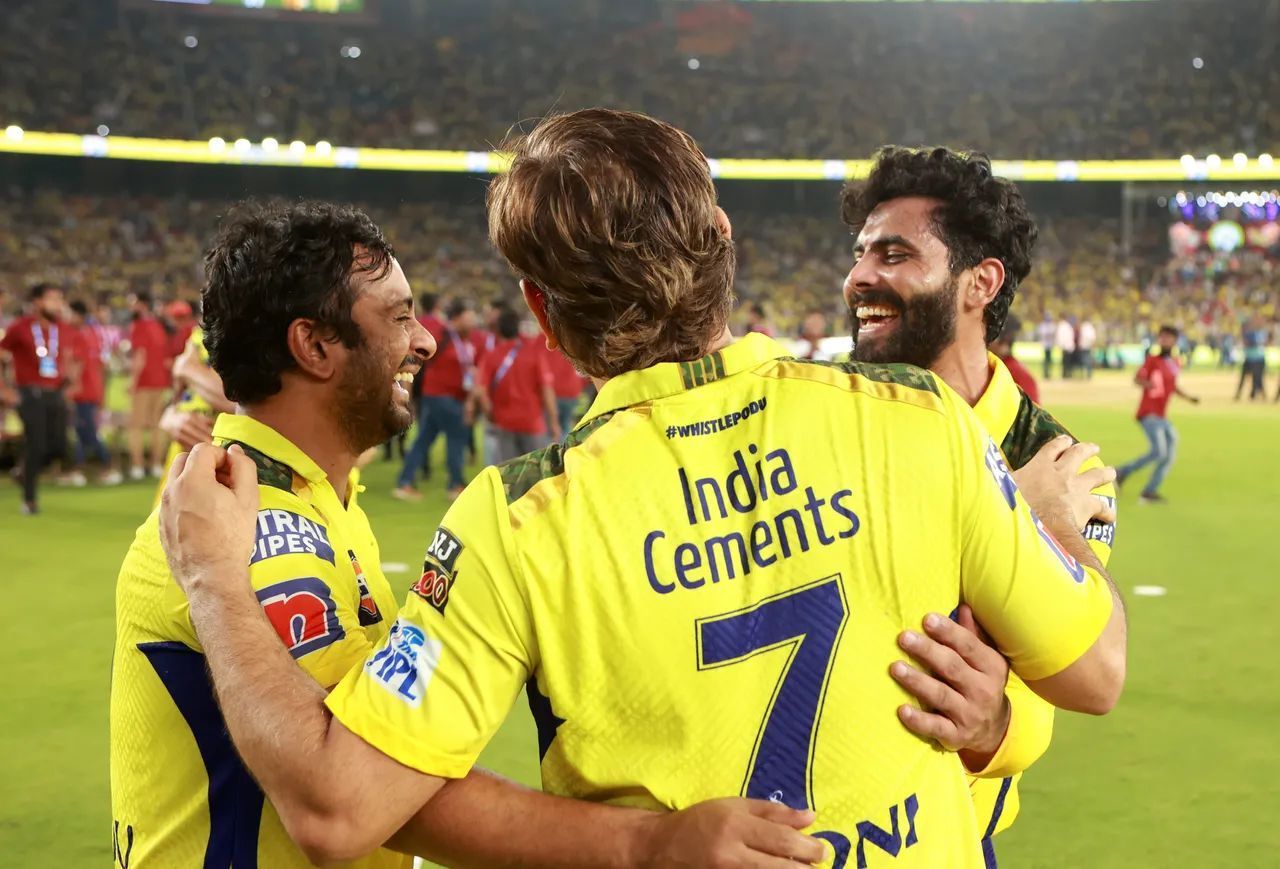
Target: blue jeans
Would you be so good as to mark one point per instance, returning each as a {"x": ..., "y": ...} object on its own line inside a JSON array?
[
  {"x": 437, "y": 415},
  {"x": 567, "y": 410},
  {"x": 87, "y": 440},
  {"x": 1164, "y": 447}
]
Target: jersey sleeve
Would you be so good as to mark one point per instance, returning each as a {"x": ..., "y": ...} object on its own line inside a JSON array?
[
  {"x": 443, "y": 681},
  {"x": 1043, "y": 608},
  {"x": 312, "y": 606}
]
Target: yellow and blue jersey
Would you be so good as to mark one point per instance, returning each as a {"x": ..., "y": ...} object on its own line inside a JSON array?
[
  {"x": 180, "y": 794},
  {"x": 701, "y": 588},
  {"x": 1022, "y": 427}
]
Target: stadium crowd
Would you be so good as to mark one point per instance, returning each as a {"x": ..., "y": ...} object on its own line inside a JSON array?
[{"x": 793, "y": 80}]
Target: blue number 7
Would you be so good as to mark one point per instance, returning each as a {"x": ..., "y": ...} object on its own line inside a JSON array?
[{"x": 807, "y": 622}]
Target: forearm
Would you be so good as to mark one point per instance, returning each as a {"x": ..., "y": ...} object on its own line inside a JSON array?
[
  {"x": 1078, "y": 548},
  {"x": 488, "y": 822},
  {"x": 274, "y": 711},
  {"x": 1026, "y": 738},
  {"x": 549, "y": 406},
  {"x": 208, "y": 385}
]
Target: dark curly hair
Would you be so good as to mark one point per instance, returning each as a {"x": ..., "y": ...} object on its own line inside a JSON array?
[
  {"x": 271, "y": 264},
  {"x": 980, "y": 216}
]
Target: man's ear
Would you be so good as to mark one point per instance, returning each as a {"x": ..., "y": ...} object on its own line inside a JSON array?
[
  {"x": 537, "y": 302},
  {"x": 313, "y": 350},
  {"x": 722, "y": 223},
  {"x": 988, "y": 278}
]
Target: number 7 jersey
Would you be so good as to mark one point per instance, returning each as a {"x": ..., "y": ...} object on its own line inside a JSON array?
[{"x": 700, "y": 591}]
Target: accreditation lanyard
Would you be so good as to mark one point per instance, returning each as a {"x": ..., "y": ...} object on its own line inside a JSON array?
[
  {"x": 46, "y": 353},
  {"x": 466, "y": 358},
  {"x": 503, "y": 368}
]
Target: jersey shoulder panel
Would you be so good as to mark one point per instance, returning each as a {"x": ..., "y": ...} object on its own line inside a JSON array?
[
  {"x": 524, "y": 472},
  {"x": 1032, "y": 428}
]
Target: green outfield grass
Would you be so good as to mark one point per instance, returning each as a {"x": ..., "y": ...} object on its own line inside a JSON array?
[{"x": 1184, "y": 773}]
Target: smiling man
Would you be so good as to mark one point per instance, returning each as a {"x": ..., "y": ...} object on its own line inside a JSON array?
[
  {"x": 309, "y": 321},
  {"x": 941, "y": 247}
]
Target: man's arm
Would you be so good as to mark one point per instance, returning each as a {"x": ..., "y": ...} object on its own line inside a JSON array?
[
  {"x": 485, "y": 822},
  {"x": 203, "y": 380},
  {"x": 1038, "y": 588},
  {"x": 1178, "y": 391},
  {"x": 339, "y": 797}
]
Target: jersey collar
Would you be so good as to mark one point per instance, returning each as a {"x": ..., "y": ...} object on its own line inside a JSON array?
[
  {"x": 997, "y": 408},
  {"x": 670, "y": 378},
  {"x": 269, "y": 442}
]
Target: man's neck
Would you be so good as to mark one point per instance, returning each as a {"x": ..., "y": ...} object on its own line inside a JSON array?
[
  {"x": 294, "y": 418},
  {"x": 721, "y": 341},
  {"x": 965, "y": 368}
]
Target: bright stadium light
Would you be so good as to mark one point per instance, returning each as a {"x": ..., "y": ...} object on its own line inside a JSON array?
[
  {"x": 323, "y": 148},
  {"x": 243, "y": 145},
  {"x": 217, "y": 143},
  {"x": 1213, "y": 161},
  {"x": 1241, "y": 160},
  {"x": 694, "y": 63},
  {"x": 190, "y": 41},
  {"x": 1197, "y": 62},
  {"x": 297, "y": 147},
  {"x": 1181, "y": 198},
  {"x": 1265, "y": 161},
  {"x": 269, "y": 144},
  {"x": 104, "y": 130},
  {"x": 1201, "y": 201},
  {"x": 1188, "y": 162},
  {"x": 13, "y": 133},
  {"x": 355, "y": 52}
]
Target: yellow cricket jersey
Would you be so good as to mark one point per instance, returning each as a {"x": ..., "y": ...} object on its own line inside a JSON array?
[
  {"x": 1022, "y": 428},
  {"x": 701, "y": 589},
  {"x": 180, "y": 795}
]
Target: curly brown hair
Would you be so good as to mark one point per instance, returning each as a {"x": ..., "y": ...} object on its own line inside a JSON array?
[
  {"x": 613, "y": 215},
  {"x": 981, "y": 215}
]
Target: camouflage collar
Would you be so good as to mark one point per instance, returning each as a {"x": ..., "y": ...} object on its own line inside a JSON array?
[{"x": 271, "y": 447}]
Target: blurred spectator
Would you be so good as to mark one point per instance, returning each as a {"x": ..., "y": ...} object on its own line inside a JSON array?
[
  {"x": 813, "y": 329},
  {"x": 1254, "y": 368},
  {"x": 1086, "y": 338},
  {"x": 149, "y": 361},
  {"x": 88, "y": 393},
  {"x": 449, "y": 379},
  {"x": 1047, "y": 332},
  {"x": 1002, "y": 347},
  {"x": 1065, "y": 339},
  {"x": 38, "y": 347},
  {"x": 515, "y": 392}
]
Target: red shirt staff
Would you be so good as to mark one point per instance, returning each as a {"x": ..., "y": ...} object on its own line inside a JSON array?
[{"x": 37, "y": 346}]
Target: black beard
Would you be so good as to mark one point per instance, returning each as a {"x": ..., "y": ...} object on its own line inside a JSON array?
[
  {"x": 926, "y": 327},
  {"x": 367, "y": 412}
]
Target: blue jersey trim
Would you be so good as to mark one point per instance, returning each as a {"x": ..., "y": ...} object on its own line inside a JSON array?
[
  {"x": 988, "y": 847},
  {"x": 235, "y": 800}
]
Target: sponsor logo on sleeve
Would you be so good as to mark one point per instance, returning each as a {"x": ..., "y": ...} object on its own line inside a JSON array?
[
  {"x": 1073, "y": 567},
  {"x": 1103, "y": 532},
  {"x": 303, "y": 613},
  {"x": 1001, "y": 474},
  {"x": 439, "y": 571},
  {"x": 368, "y": 611},
  {"x": 281, "y": 532},
  {"x": 406, "y": 662}
]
